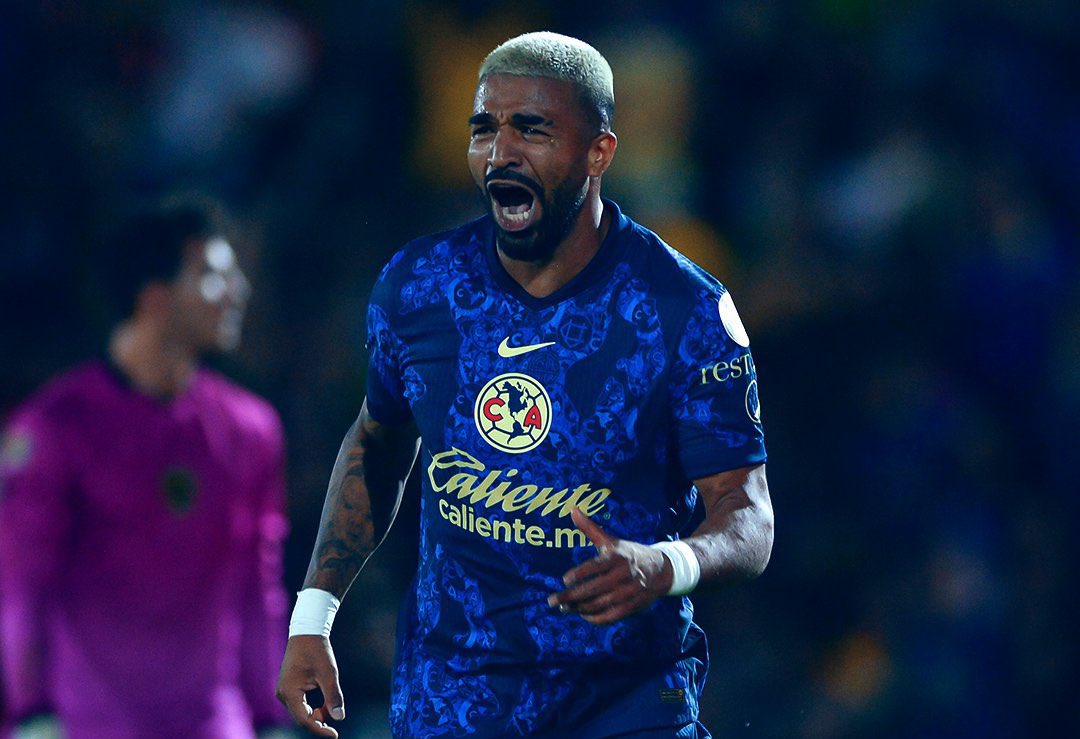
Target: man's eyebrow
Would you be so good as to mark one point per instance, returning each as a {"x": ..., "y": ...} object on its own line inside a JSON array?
[
  {"x": 525, "y": 119},
  {"x": 518, "y": 119}
]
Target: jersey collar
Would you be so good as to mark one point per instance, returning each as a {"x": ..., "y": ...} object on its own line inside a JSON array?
[{"x": 595, "y": 272}]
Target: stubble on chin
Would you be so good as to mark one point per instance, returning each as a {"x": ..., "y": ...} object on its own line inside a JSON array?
[{"x": 532, "y": 248}]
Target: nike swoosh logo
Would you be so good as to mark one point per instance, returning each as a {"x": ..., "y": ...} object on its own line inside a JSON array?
[{"x": 505, "y": 350}]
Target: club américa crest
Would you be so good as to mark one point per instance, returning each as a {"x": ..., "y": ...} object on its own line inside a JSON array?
[{"x": 513, "y": 413}]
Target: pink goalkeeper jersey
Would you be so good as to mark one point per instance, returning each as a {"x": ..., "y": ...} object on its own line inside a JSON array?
[{"x": 140, "y": 558}]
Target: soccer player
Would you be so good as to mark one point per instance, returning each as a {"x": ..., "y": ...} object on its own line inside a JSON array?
[
  {"x": 142, "y": 514},
  {"x": 582, "y": 396}
]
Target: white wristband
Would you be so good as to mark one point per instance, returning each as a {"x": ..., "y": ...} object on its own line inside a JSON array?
[
  {"x": 313, "y": 613},
  {"x": 684, "y": 563}
]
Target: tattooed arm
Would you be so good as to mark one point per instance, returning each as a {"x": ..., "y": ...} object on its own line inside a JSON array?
[
  {"x": 361, "y": 503},
  {"x": 362, "y": 500}
]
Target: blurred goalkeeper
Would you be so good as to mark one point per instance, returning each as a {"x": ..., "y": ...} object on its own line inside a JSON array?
[{"x": 141, "y": 514}]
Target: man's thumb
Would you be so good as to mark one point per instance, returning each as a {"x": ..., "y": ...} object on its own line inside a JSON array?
[
  {"x": 596, "y": 535},
  {"x": 333, "y": 698}
]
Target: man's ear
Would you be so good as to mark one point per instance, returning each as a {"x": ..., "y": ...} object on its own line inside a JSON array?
[{"x": 601, "y": 152}]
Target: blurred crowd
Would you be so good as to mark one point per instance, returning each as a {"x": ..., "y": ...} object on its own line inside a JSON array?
[{"x": 890, "y": 190}]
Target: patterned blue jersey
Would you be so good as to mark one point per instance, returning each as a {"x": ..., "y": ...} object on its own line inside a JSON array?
[{"x": 611, "y": 395}]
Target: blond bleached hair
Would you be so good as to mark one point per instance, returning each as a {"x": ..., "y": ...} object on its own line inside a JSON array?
[{"x": 554, "y": 56}]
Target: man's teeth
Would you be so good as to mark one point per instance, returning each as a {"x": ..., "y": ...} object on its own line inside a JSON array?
[{"x": 516, "y": 213}]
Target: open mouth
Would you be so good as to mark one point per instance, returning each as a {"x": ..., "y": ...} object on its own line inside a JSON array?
[{"x": 514, "y": 206}]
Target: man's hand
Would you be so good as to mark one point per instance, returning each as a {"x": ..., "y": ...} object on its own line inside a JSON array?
[
  {"x": 309, "y": 664},
  {"x": 625, "y": 577}
]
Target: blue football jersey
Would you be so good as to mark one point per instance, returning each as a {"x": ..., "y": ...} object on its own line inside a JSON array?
[{"x": 610, "y": 395}]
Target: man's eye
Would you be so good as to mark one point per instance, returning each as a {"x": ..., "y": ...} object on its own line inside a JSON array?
[{"x": 480, "y": 131}]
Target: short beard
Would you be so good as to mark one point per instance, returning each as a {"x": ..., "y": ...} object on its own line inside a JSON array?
[{"x": 538, "y": 244}]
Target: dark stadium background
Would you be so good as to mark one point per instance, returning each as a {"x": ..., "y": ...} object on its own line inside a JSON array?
[{"x": 890, "y": 190}]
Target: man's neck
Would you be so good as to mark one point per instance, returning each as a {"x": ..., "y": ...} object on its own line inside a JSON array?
[
  {"x": 149, "y": 362},
  {"x": 572, "y": 255}
]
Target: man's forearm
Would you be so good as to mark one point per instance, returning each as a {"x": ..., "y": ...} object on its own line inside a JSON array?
[
  {"x": 734, "y": 542},
  {"x": 361, "y": 501}
]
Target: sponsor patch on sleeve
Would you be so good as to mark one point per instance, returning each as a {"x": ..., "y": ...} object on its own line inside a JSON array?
[{"x": 732, "y": 323}]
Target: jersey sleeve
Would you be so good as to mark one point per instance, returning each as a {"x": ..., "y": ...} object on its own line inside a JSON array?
[
  {"x": 386, "y": 398},
  {"x": 714, "y": 390},
  {"x": 37, "y": 487}
]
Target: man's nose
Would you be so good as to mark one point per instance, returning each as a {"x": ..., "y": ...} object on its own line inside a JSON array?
[{"x": 504, "y": 151}]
